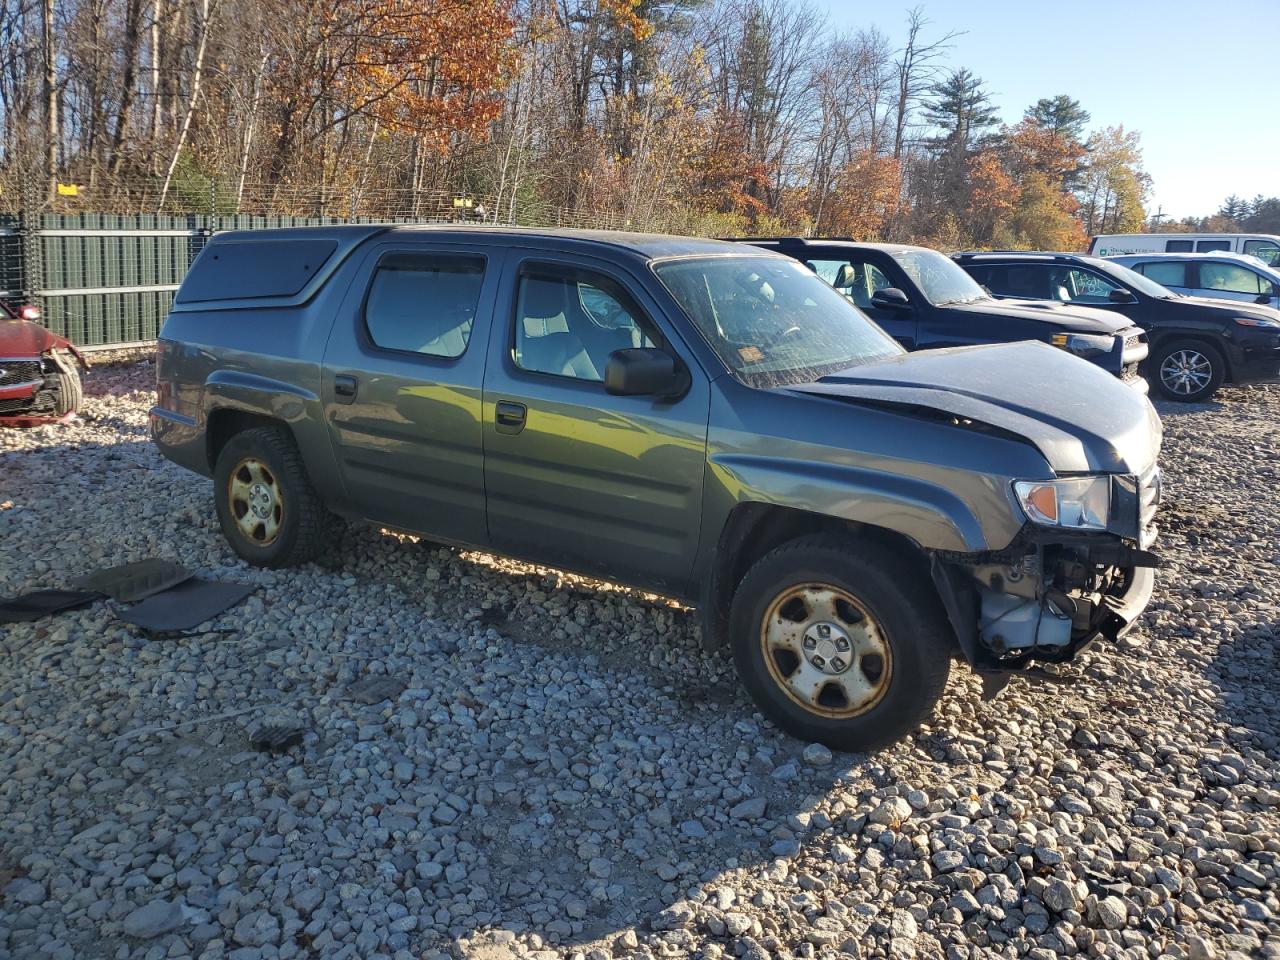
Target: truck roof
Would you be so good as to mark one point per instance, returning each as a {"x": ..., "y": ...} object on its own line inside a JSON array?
[{"x": 648, "y": 245}]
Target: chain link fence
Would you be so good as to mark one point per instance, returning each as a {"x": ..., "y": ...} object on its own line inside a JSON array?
[{"x": 102, "y": 264}]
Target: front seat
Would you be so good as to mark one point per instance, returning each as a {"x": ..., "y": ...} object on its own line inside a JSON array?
[{"x": 544, "y": 342}]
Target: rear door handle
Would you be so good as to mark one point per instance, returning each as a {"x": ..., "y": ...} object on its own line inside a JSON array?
[
  {"x": 509, "y": 416},
  {"x": 345, "y": 387}
]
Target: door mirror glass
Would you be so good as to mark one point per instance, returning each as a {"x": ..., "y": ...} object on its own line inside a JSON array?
[
  {"x": 644, "y": 372},
  {"x": 1120, "y": 295},
  {"x": 1263, "y": 298},
  {"x": 890, "y": 298}
]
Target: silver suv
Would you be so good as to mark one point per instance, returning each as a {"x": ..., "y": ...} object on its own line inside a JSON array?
[{"x": 1220, "y": 276}]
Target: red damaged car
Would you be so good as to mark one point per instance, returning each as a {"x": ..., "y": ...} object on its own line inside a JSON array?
[{"x": 39, "y": 382}]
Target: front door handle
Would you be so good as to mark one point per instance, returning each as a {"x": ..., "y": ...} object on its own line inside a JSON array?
[
  {"x": 509, "y": 416},
  {"x": 345, "y": 387}
]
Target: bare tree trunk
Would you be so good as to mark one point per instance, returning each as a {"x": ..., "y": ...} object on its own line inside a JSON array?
[
  {"x": 251, "y": 124},
  {"x": 128, "y": 83},
  {"x": 155, "y": 86},
  {"x": 191, "y": 104},
  {"x": 50, "y": 100}
]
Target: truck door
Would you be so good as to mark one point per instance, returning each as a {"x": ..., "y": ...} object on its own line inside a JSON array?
[
  {"x": 401, "y": 386},
  {"x": 576, "y": 476},
  {"x": 858, "y": 279}
]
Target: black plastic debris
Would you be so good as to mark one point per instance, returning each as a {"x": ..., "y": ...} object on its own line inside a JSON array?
[
  {"x": 130, "y": 582},
  {"x": 186, "y": 605},
  {"x": 376, "y": 688},
  {"x": 276, "y": 735},
  {"x": 43, "y": 603}
]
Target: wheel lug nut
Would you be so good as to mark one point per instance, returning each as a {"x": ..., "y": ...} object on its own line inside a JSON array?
[
  {"x": 837, "y": 663},
  {"x": 824, "y": 631}
]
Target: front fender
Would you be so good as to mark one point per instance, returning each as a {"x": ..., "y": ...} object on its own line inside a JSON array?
[
  {"x": 254, "y": 393},
  {"x": 932, "y": 516}
]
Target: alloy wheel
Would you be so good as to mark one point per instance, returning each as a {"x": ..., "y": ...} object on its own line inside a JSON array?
[
  {"x": 1186, "y": 372},
  {"x": 257, "y": 502}
]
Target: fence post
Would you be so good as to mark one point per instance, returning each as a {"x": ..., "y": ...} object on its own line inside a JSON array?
[{"x": 31, "y": 248}]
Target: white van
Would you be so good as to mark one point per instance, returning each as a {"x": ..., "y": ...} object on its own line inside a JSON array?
[{"x": 1264, "y": 246}]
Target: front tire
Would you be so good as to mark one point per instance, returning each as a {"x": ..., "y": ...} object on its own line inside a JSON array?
[
  {"x": 69, "y": 392},
  {"x": 1187, "y": 370},
  {"x": 268, "y": 509},
  {"x": 840, "y": 642}
]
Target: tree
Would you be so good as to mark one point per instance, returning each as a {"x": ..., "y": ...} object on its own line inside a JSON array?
[
  {"x": 1114, "y": 187},
  {"x": 961, "y": 108},
  {"x": 916, "y": 68},
  {"x": 1062, "y": 116}
]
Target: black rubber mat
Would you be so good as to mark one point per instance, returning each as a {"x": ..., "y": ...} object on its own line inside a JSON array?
[
  {"x": 130, "y": 582},
  {"x": 42, "y": 603},
  {"x": 185, "y": 606}
]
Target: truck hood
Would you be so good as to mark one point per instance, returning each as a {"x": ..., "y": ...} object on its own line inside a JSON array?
[
  {"x": 1223, "y": 309},
  {"x": 1080, "y": 418},
  {"x": 1053, "y": 315}
]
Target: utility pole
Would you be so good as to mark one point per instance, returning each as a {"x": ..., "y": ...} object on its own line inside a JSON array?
[{"x": 1156, "y": 218}]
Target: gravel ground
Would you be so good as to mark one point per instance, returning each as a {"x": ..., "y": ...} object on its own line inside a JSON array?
[{"x": 565, "y": 773}]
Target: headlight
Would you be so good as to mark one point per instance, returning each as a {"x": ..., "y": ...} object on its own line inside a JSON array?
[
  {"x": 1264, "y": 322},
  {"x": 1081, "y": 503},
  {"x": 1084, "y": 344}
]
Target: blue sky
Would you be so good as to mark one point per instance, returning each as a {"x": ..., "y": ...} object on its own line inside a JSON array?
[{"x": 1199, "y": 79}]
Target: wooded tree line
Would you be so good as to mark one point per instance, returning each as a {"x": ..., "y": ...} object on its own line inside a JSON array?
[
  {"x": 1236, "y": 215},
  {"x": 708, "y": 116}
]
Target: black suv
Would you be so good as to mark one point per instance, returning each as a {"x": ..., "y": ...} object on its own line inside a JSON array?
[
  {"x": 923, "y": 300},
  {"x": 1196, "y": 344}
]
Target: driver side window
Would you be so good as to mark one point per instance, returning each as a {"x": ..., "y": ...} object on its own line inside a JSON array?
[
  {"x": 855, "y": 279},
  {"x": 1081, "y": 286},
  {"x": 567, "y": 323}
]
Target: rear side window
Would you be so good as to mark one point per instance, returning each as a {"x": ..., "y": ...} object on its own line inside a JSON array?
[
  {"x": 235, "y": 269},
  {"x": 1230, "y": 278},
  {"x": 1177, "y": 246},
  {"x": 424, "y": 303},
  {"x": 1165, "y": 274},
  {"x": 1208, "y": 246},
  {"x": 1031, "y": 282}
]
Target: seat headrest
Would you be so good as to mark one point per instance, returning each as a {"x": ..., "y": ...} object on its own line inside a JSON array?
[{"x": 542, "y": 299}]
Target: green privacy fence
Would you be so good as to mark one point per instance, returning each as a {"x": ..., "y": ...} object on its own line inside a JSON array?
[{"x": 105, "y": 280}]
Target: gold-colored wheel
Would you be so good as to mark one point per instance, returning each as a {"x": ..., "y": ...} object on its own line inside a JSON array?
[
  {"x": 257, "y": 502},
  {"x": 826, "y": 651}
]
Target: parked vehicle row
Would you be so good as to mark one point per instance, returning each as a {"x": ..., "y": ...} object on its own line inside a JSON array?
[
  {"x": 924, "y": 300},
  {"x": 704, "y": 419},
  {"x": 1196, "y": 343}
]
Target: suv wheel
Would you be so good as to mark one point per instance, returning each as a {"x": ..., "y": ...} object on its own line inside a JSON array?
[
  {"x": 838, "y": 643},
  {"x": 1187, "y": 370},
  {"x": 269, "y": 512}
]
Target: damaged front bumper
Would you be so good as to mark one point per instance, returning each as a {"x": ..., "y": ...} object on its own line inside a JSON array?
[{"x": 1042, "y": 601}]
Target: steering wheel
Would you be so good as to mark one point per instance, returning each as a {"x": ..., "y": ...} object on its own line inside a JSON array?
[{"x": 777, "y": 338}]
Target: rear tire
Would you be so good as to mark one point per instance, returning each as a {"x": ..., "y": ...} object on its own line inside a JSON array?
[
  {"x": 1189, "y": 371},
  {"x": 268, "y": 509},
  {"x": 840, "y": 642}
]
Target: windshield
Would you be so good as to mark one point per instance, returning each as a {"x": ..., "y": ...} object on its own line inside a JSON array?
[
  {"x": 1134, "y": 280},
  {"x": 940, "y": 280},
  {"x": 771, "y": 321}
]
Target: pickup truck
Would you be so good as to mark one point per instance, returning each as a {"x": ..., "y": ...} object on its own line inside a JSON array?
[{"x": 700, "y": 419}]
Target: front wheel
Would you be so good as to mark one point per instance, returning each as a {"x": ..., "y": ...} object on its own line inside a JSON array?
[
  {"x": 840, "y": 642},
  {"x": 1187, "y": 370}
]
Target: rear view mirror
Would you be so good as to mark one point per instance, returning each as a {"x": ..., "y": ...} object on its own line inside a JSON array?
[
  {"x": 844, "y": 276},
  {"x": 644, "y": 372},
  {"x": 890, "y": 298},
  {"x": 1120, "y": 295}
]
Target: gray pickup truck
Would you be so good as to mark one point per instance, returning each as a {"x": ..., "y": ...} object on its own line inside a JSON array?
[{"x": 700, "y": 419}]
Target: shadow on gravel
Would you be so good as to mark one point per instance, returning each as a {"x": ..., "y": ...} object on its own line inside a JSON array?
[{"x": 1245, "y": 673}]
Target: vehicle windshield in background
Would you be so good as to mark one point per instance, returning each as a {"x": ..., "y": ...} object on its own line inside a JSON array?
[
  {"x": 1133, "y": 280},
  {"x": 939, "y": 278},
  {"x": 772, "y": 321}
]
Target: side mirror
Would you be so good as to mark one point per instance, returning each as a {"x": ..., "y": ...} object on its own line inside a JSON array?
[
  {"x": 890, "y": 298},
  {"x": 644, "y": 372},
  {"x": 1264, "y": 298},
  {"x": 1120, "y": 295}
]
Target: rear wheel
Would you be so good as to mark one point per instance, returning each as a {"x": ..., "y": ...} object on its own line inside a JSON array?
[
  {"x": 269, "y": 511},
  {"x": 839, "y": 642},
  {"x": 1187, "y": 370}
]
